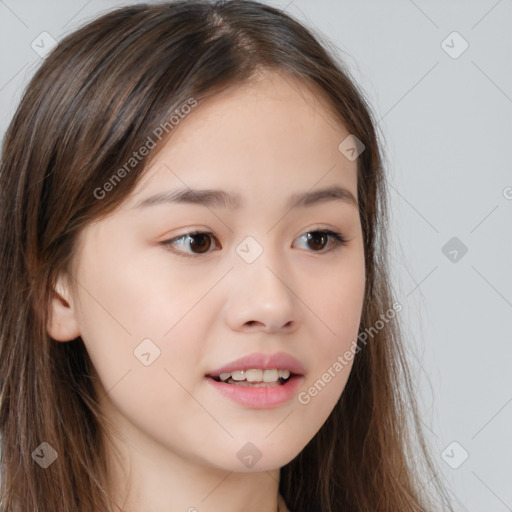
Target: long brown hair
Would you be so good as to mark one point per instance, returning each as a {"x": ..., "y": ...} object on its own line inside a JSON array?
[{"x": 94, "y": 101}]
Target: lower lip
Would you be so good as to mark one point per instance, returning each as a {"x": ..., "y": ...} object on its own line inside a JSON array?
[{"x": 260, "y": 397}]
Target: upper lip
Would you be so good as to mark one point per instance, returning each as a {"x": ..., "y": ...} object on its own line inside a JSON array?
[{"x": 279, "y": 361}]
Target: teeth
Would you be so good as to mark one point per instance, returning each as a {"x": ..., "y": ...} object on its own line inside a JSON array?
[
  {"x": 268, "y": 376},
  {"x": 254, "y": 375}
]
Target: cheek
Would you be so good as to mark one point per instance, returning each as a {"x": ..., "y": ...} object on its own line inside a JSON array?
[
  {"x": 338, "y": 305},
  {"x": 143, "y": 373},
  {"x": 136, "y": 320}
]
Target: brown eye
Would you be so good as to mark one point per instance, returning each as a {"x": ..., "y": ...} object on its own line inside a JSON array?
[
  {"x": 200, "y": 243},
  {"x": 191, "y": 244},
  {"x": 317, "y": 240}
]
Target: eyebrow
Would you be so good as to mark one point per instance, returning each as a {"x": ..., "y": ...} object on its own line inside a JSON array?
[{"x": 222, "y": 199}]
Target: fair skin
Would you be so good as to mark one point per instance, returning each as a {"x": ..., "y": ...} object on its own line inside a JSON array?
[{"x": 264, "y": 140}]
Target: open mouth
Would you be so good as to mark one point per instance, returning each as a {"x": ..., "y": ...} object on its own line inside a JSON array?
[
  {"x": 257, "y": 388},
  {"x": 255, "y": 378}
]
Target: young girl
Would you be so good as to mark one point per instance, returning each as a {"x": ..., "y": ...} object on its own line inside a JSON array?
[{"x": 195, "y": 306}]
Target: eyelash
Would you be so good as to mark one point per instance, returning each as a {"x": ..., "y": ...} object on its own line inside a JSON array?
[{"x": 337, "y": 241}]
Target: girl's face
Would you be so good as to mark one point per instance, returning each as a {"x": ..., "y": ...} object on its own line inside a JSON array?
[{"x": 159, "y": 311}]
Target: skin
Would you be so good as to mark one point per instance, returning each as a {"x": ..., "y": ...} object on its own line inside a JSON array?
[{"x": 177, "y": 437}]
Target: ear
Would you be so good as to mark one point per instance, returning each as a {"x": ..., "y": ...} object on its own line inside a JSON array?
[{"x": 62, "y": 324}]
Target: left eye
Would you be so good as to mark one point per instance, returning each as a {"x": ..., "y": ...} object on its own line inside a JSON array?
[
  {"x": 201, "y": 241},
  {"x": 316, "y": 238}
]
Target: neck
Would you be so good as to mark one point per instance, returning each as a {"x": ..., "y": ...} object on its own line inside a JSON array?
[
  {"x": 144, "y": 475},
  {"x": 148, "y": 481}
]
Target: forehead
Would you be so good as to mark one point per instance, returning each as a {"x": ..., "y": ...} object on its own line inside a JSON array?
[{"x": 267, "y": 135}]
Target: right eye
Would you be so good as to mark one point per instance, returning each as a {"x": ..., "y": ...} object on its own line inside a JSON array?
[{"x": 198, "y": 241}]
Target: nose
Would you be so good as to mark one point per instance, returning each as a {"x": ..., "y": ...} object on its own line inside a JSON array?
[{"x": 262, "y": 298}]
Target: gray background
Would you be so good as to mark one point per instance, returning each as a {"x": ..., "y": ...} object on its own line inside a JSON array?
[{"x": 447, "y": 127}]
